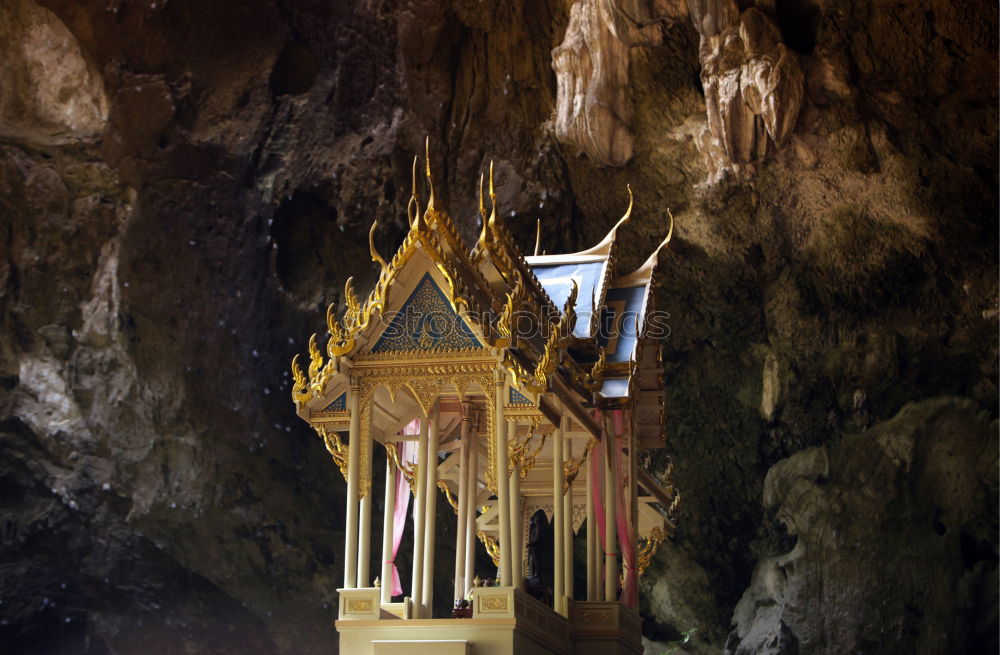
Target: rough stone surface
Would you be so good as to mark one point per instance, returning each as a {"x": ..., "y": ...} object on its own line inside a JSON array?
[
  {"x": 920, "y": 487},
  {"x": 157, "y": 259},
  {"x": 50, "y": 90}
]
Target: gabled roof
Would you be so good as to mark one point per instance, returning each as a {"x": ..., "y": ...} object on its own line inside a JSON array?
[
  {"x": 589, "y": 269},
  {"x": 436, "y": 296}
]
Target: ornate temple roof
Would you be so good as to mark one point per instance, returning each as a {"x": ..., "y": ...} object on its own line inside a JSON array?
[{"x": 553, "y": 319}]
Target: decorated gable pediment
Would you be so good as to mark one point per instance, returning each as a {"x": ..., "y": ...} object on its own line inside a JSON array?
[{"x": 426, "y": 321}]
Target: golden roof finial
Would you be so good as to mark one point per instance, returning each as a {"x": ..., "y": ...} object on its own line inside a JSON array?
[
  {"x": 628, "y": 212},
  {"x": 430, "y": 179},
  {"x": 607, "y": 244},
  {"x": 538, "y": 237},
  {"x": 377, "y": 258},
  {"x": 484, "y": 233},
  {"x": 413, "y": 208},
  {"x": 493, "y": 200}
]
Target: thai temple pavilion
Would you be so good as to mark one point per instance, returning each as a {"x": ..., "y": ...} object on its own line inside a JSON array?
[{"x": 525, "y": 389}]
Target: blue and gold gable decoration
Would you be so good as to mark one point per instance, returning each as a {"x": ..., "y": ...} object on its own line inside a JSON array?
[
  {"x": 339, "y": 404},
  {"x": 426, "y": 322},
  {"x": 515, "y": 397}
]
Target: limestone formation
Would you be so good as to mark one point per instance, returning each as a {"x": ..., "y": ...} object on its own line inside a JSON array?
[
  {"x": 50, "y": 91},
  {"x": 593, "y": 111},
  {"x": 752, "y": 82},
  {"x": 593, "y": 108}
]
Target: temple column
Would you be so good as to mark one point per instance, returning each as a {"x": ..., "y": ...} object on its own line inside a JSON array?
[
  {"x": 610, "y": 519},
  {"x": 516, "y": 548},
  {"x": 365, "y": 538},
  {"x": 591, "y": 537},
  {"x": 419, "y": 510},
  {"x": 558, "y": 528},
  {"x": 568, "y": 522},
  {"x": 365, "y": 525},
  {"x": 503, "y": 481},
  {"x": 353, "y": 448},
  {"x": 430, "y": 514},
  {"x": 463, "y": 502},
  {"x": 469, "y": 520},
  {"x": 388, "y": 526}
]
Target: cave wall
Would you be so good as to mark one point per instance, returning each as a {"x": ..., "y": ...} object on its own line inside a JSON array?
[{"x": 185, "y": 185}]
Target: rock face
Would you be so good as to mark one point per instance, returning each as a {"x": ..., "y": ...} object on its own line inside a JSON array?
[
  {"x": 185, "y": 185},
  {"x": 898, "y": 524},
  {"x": 50, "y": 90}
]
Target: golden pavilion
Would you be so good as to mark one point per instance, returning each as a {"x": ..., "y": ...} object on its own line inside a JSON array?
[{"x": 525, "y": 389}]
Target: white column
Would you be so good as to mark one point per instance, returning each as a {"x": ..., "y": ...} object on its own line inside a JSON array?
[
  {"x": 558, "y": 528},
  {"x": 568, "y": 526},
  {"x": 463, "y": 502},
  {"x": 591, "y": 535},
  {"x": 610, "y": 520},
  {"x": 419, "y": 509},
  {"x": 469, "y": 522},
  {"x": 503, "y": 482},
  {"x": 516, "y": 547},
  {"x": 351, "y": 536},
  {"x": 430, "y": 515},
  {"x": 388, "y": 523},
  {"x": 365, "y": 526}
]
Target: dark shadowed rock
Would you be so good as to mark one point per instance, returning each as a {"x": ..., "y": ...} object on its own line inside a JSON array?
[{"x": 185, "y": 185}]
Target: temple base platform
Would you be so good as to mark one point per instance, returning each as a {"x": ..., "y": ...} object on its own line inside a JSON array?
[{"x": 505, "y": 621}]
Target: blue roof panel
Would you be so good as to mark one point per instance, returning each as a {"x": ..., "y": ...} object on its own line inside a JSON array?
[{"x": 557, "y": 279}]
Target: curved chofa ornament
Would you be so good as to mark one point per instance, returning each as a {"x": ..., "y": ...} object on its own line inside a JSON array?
[{"x": 438, "y": 358}]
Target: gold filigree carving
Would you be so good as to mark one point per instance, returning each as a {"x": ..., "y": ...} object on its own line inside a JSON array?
[
  {"x": 571, "y": 467},
  {"x": 592, "y": 380},
  {"x": 505, "y": 324},
  {"x": 409, "y": 472},
  {"x": 538, "y": 382},
  {"x": 493, "y": 603},
  {"x": 522, "y": 453},
  {"x": 335, "y": 447},
  {"x": 491, "y": 545},
  {"x": 648, "y": 547},
  {"x": 300, "y": 387},
  {"x": 426, "y": 382},
  {"x": 360, "y": 606},
  {"x": 443, "y": 486}
]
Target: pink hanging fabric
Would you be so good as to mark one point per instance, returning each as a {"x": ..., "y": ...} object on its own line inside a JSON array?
[
  {"x": 630, "y": 591},
  {"x": 407, "y": 456}
]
